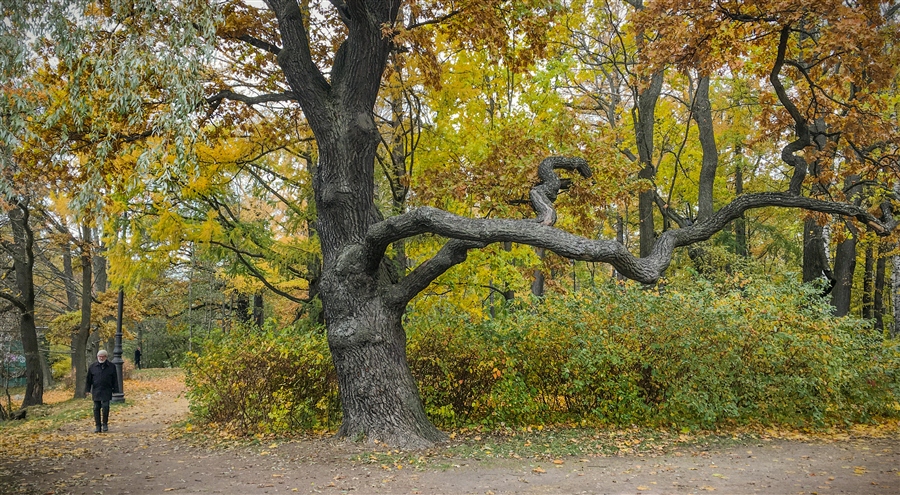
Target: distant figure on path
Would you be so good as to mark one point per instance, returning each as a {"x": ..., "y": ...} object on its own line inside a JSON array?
[
  {"x": 102, "y": 382},
  {"x": 137, "y": 358}
]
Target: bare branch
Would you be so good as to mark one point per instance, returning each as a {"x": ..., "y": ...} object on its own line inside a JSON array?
[
  {"x": 258, "y": 43},
  {"x": 250, "y": 100},
  {"x": 13, "y": 300},
  {"x": 437, "y": 20}
]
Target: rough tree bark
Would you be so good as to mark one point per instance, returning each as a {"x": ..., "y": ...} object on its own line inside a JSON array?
[
  {"x": 845, "y": 257},
  {"x": 645, "y": 123},
  {"x": 21, "y": 249},
  {"x": 702, "y": 114},
  {"x": 895, "y": 295}
]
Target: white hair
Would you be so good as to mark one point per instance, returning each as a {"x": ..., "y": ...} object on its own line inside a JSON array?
[{"x": 102, "y": 352}]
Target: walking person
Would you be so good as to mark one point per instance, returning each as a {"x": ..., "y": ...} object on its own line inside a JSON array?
[
  {"x": 137, "y": 357},
  {"x": 102, "y": 383}
]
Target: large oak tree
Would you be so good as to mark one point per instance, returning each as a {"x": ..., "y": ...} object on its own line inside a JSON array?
[{"x": 364, "y": 299}]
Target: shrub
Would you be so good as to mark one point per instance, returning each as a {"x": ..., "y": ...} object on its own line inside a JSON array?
[
  {"x": 259, "y": 381},
  {"x": 700, "y": 355}
]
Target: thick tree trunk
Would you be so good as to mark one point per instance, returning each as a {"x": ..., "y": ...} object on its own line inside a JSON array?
[
  {"x": 379, "y": 397},
  {"x": 844, "y": 267},
  {"x": 23, "y": 265},
  {"x": 84, "y": 329},
  {"x": 703, "y": 116}
]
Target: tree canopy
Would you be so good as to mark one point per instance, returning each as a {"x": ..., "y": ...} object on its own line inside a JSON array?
[{"x": 352, "y": 153}]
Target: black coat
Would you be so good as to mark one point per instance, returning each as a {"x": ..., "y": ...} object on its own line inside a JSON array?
[{"x": 102, "y": 381}]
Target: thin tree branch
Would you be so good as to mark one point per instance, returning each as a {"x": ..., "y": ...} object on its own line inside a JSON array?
[
  {"x": 261, "y": 44},
  {"x": 250, "y": 100}
]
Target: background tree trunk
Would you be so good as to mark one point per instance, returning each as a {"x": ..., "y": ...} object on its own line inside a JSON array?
[
  {"x": 880, "y": 268},
  {"x": 22, "y": 249},
  {"x": 895, "y": 295},
  {"x": 740, "y": 225},
  {"x": 79, "y": 359},
  {"x": 868, "y": 296},
  {"x": 644, "y": 128},
  {"x": 815, "y": 257},
  {"x": 844, "y": 267},
  {"x": 537, "y": 285}
]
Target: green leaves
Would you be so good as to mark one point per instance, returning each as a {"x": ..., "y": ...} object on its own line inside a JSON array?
[{"x": 760, "y": 353}]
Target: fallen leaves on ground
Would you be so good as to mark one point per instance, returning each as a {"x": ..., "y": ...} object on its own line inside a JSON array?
[{"x": 62, "y": 426}]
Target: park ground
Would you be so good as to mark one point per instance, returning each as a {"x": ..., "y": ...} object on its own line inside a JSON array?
[{"x": 152, "y": 447}]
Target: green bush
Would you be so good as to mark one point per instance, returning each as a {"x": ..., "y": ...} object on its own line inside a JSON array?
[
  {"x": 702, "y": 355},
  {"x": 258, "y": 381}
]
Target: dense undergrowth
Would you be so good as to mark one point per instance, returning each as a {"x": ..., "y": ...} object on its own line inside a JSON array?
[{"x": 703, "y": 356}]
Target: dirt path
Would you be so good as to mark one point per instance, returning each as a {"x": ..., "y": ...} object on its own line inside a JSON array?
[{"x": 138, "y": 456}]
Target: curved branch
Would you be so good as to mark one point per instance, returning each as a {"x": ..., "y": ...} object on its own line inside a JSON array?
[
  {"x": 451, "y": 254},
  {"x": 646, "y": 270},
  {"x": 544, "y": 194},
  {"x": 454, "y": 252},
  {"x": 801, "y": 127},
  {"x": 436, "y": 20},
  {"x": 18, "y": 304}
]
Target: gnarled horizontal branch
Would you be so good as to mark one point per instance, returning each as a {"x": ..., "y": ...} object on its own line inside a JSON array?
[{"x": 647, "y": 270}]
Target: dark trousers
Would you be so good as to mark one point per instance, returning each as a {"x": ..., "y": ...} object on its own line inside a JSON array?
[{"x": 98, "y": 406}]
